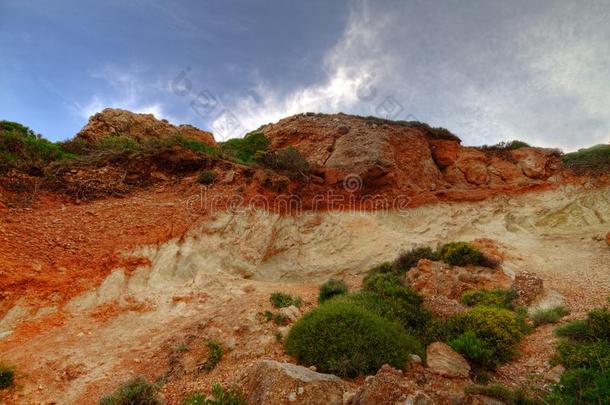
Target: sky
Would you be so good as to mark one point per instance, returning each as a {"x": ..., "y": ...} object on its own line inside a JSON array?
[{"x": 488, "y": 70}]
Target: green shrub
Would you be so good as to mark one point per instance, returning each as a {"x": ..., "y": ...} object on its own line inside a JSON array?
[
  {"x": 331, "y": 288},
  {"x": 462, "y": 254},
  {"x": 7, "y": 376},
  {"x": 475, "y": 350},
  {"x": 498, "y": 328},
  {"x": 282, "y": 300},
  {"x": 215, "y": 353},
  {"x": 581, "y": 386},
  {"x": 344, "y": 339},
  {"x": 280, "y": 320},
  {"x": 220, "y": 396},
  {"x": 575, "y": 330},
  {"x": 383, "y": 268},
  {"x": 206, "y": 177},
  {"x": 135, "y": 391},
  {"x": 244, "y": 149},
  {"x": 598, "y": 324},
  {"x": 596, "y": 158},
  {"x": 406, "y": 260},
  {"x": 551, "y": 315},
  {"x": 593, "y": 355},
  {"x": 116, "y": 143},
  {"x": 499, "y": 297},
  {"x": 507, "y": 145},
  {"x": 502, "y": 393}
]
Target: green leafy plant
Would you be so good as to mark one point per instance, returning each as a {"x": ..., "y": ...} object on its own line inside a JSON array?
[
  {"x": 475, "y": 350},
  {"x": 215, "y": 353},
  {"x": 551, "y": 315},
  {"x": 581, "y": 386},
  {"x": 462, "y": 254},
  {"x": 282, "y": 300},
  {"x": 244, "y": 149},
  {"x": 406, "y": 260},
  {"x": 7, "y": 376},
  {"x": 331, "y": 288},
  {"x": 497, "y": 328},
  {"x": 344, "y": 339},
  {"x": 220, "y": 396},
  {"x": 206, "y": 177},
  {"x": 499, "y": 297},
  {"x": 135, "y": 391}
]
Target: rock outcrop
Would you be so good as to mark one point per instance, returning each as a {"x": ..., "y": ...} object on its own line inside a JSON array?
[
  {"x": 410, "y": 157},
  {"x": 445, "y": 361},
  {"x": 268, "y": 382},
  {"x": 114, "y": 121}
]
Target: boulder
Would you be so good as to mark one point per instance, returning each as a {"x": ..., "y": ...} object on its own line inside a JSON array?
[
  {"x": 444, "y": 152},
  {"x": 534, "y": 163},
  {"x": 292, "y": 312},
  {"x": 528, "y": 287},
  {"x": 445, "y": 361},
  {"x": 473, "y": 163},
  {"x": 389, "y": 387},
  {"x": 269, "y": 382},
  {"x": 115, "y": 121}
]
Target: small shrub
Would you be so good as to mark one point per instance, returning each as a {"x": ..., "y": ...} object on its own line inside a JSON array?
[
  {"x": 499, "y": 329},
  {"x": 552, "y": 315},
  {"x": 592, "y": 355},
  {"x": 462, "y": 254},
  {"x": 268, "y": 315},
  {"x": 280, "y": 320},
  {"x": 215, "y": 353},
  {"x": 220, "y": 396},
  {"x": 244, "y": 149},
  {"x": 598, "y": 324},
  {"x": 206, "y": 177},
  {"x": 474, "y": 350},
  {"x": 499, "y": 297},
  {"x": 344, "y": 339},
  {"x": 575, "y": 330},
  {"x": 406, "y": 260},
  {"x": 116, "y": 143},
  {"x": 7, "y": 376},
  {"x": 181, "y": 347},
  {"x": 291, "y": 161},
  {"x": 331, "y": 288},
  {"x": 507, "y": 145},
  {"x": 381, "y": 281},
  {"x": 135, "y": 391},
  {"x": 500, "y": 392},
  {"x": 581, "y": 386},
  {"x": 282, "y": 300}
]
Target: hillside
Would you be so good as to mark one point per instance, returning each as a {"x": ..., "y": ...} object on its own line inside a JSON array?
[{"x": 127, "y": 249}]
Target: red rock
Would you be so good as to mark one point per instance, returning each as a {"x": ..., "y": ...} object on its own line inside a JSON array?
[
  {"x": 473, "y": 163},
  {"x": 444, "y": 152},
  {"x": 528, "y": 287}
]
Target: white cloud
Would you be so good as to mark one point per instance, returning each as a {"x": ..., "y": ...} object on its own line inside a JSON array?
[
  {"x": 128, "y": 91},
  {"x": 486, "y": 72}
]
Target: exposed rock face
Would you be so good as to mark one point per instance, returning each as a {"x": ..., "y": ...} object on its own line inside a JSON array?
[
  {"x": 435, "y": 278},
  {"x": 528, "y": 287},
  {"x": 271, "y": 382},
  {"x": 445, "y": 361},
  {"x": 389, "y": 386},
  {"x": 403, "y": 157},
  {"x": 114, "y": 121}
]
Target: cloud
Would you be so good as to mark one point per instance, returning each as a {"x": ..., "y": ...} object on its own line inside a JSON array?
[
  {"x": 487, "y": 71},
  {"x": 129, "y": 90}
]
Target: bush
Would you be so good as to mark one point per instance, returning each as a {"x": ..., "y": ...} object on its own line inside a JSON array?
[
  {"x": 344, "y": 339},
  {"x": 499, "y": 329},
  {"x": 206, "y": 177},
  {"x": 215, "y": 353},
  {"x": 282, "y": 300},
  {"x": 406, "y": 260},
  {"x": 462, "y": 254},
  {"x": 596, "y": 158},
  {"x": 581, "y": 386},
  {"x": 220, "y": 396},
  {"x": 507, "y": 145},
  {"x": 117, "y": 143},
  {"x": 498, "y": 297},
  {"x": 331, "y": 288},
  {"x": 474, "y": 350},
  {"x": 7, "y": 376},
  {"x": 593, "y": 355},
  {"x": 506, "y": 395},
  {"x": 598, "y": 324},
  {"x": 244, "y": 149},
  {"x": 135, "y": 391},
  {"x": 552, "y": 315},
  {"x": 575, "y": 330}
]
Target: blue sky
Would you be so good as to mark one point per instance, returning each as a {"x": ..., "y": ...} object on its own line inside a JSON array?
[{"x": 489, "y": 70}]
